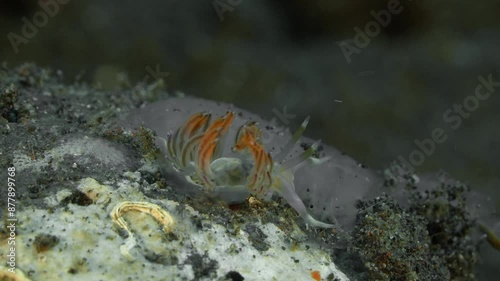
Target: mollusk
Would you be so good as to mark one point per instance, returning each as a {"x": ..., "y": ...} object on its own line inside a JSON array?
[{"x": 195, "y": 151}]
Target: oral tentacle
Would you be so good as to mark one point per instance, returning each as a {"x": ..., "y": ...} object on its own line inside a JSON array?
[
  {"x": 295, "y": 162},
  {"x": 291, "y": 143}
]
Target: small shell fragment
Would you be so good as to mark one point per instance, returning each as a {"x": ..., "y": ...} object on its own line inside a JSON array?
[{"x": 162, "y": 216}]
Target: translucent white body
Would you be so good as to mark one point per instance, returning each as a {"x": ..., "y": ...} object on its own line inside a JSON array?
[{"x": 330, "y": 187}]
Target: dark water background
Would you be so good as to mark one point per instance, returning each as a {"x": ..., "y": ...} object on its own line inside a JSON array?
[{"x": 398, "y": 86}]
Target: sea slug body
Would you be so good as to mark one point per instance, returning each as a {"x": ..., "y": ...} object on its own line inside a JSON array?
[
  {"x": 231, "y": 153},
  {"x": 194, "y": 149}
]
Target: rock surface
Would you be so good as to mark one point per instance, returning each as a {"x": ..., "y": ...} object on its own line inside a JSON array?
[{"x": 75, "y": 162}]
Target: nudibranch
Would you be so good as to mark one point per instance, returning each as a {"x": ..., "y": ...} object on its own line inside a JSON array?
[{"x": 195, "y": 151}]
